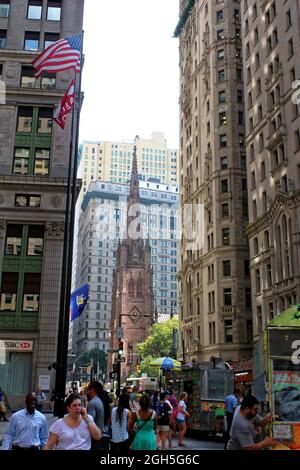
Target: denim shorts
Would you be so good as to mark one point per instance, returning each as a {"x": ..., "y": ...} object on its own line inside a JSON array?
[{"x": 180, "y": 421}]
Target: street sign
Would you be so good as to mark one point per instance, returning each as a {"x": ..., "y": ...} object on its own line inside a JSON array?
[
  {"x": 120, "y": 359},
  {"x": 112, "y": 350},
  {"x": 120, "y": 332}
]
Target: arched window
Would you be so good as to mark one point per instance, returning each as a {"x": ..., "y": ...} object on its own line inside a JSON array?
[
  {"x": 131, "y": 289},
  {"x": 140, "y": 288}
]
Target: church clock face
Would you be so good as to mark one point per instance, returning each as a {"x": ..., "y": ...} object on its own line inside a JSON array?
[{"x": 135, "y": 315}]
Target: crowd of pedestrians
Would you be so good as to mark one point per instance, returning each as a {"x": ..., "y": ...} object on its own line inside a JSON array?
[
  {"x": 95, "y": 420},
  {"x": 99, "y": 421}
]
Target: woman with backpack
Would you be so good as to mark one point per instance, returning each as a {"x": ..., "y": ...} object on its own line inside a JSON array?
[{"x": 164, "y": 415}]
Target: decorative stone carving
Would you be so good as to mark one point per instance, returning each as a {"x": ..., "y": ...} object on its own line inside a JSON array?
[
  {"x": 56, "y": 201},
  {"x": 2, "y": 228},
  {"x": 55, "y": 231}
]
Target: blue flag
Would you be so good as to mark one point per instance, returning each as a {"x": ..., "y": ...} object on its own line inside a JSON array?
[{"x": 78, "y": 301}]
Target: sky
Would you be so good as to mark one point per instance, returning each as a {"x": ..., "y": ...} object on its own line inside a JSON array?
[{"x": 131, "y": 73}]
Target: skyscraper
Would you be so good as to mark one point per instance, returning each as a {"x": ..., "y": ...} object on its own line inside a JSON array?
[
  {"x": 111, "y": 161},
  {"x": 34, "y": 162},
  {"x": 271, "y": 37},
  {"x": 215, "y": 294}
]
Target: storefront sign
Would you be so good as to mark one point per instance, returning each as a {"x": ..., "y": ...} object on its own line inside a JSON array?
[
  {"x": 44, "y": 382},
  {"x": 282, "y": 432},
  {"x": 16, "y": 345}
]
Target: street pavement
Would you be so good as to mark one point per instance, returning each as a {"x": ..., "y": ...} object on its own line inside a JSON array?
[{"x": 191, "y": 443}]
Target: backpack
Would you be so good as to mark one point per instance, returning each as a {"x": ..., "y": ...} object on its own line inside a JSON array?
[
  {"x": 162, "y": 413},
  {"x": 175, "y": 411}
]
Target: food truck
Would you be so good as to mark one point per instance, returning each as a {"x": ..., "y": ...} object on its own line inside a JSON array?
[
  {"x": 207, "y": 387},
  {"x": 276, "y": 368}
]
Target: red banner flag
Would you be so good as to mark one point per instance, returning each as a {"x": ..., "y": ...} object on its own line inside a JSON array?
[{"x": 66, "y": 106}]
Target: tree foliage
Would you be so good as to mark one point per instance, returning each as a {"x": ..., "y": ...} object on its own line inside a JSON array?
[
  {"x": 160, "y": 341},
  {"x": 96, "y": 355}
]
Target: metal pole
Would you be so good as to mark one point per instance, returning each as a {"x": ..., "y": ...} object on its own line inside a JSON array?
[{"x": 63, "y": 331}]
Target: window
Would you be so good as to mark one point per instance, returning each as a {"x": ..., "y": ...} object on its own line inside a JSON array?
[
  {"x": 2, "y": 38},
  {"x": 219, "y": 16},
  {"x": 25, "y": 200},
  {"x": 221, "y": 54},
  {"x": 228, "y": 331},
  {"x": 247, "y": 268},
  {"x": 222, "y": 118},
  {"x": 34, "y": 11},
  {"x": 27, "y": 77},
  {"x": 50, "y": 38},
  {"x": 221, "y": 75},
  {"x": 225, "y": 211},
  {"x": 31, "y": 292},
  {"x": 34, "y": 160},
  {"x": 227, "y": 297},
  {"x": 249, "y": 331},
  {"x": 4, "y": 8},
  {"x": 226, "y": 268},
  {"x": 226, "y": 236},
  {"x": 248, "y": 301},
  {"x": 9, "y": 290},
  {"x": 257, "y": 281},
  {"x": 45, "y": 116},
  {"x": 220, "y": 34},
  {"x": 222, "y": 97},
  {"x": 224, "y": 163},
  {"x": 41, "y": 162},
  {"x": 13, "y": 240},
  {"x": 54, "y": 10},
  {"x": 48, "y": 82},
  {"x": 223, "y": 140},
  {"x": 31, "y": 41},
  {"x": 240, "y": 96},
  {"x": 35, "y": 240},
  {"x": 21, "y": 161},
  {"x": 212, "y": 332},
  {"x": 224, "y": 186}
]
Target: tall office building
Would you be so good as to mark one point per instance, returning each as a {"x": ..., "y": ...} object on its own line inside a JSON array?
[
  {"x": 271, "y": 39},
  {"x": 215, "y": 294},
  {"x": 102, "y": 224},
  {"x": 112, "y": 161},
  {"x": 34, "y": 162}
]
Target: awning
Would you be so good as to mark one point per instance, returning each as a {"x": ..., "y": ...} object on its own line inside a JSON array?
[{"x": 184, "y": 16}]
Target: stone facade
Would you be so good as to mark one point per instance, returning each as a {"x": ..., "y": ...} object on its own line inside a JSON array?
[
  {"x": 31, "y": 199},
  {"x": 271, "y": 43},
  {"x": 132, "y": 297},
  {"x": 216, "y": 316}
]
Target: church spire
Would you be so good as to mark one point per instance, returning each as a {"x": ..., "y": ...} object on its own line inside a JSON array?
[{"x": 133, "y": 209}]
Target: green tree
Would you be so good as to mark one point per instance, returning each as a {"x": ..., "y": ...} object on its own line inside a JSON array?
[
  {"x": 160, "y": 341},
  {"x": 95, "y": 355}
]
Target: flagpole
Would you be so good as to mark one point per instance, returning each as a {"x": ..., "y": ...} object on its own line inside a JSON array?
[{"x": 63, "y": 329}]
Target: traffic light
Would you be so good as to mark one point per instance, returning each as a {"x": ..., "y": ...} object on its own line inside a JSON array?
[{"x": 121, "y": 347}]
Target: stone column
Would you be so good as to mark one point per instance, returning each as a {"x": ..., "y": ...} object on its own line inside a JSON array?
[{"x": 50, "y": 296}]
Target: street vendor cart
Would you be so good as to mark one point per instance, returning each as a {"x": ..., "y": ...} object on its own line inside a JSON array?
[
  {"x": 207, "y": 388},
  {"x": 277, "y": 376}
]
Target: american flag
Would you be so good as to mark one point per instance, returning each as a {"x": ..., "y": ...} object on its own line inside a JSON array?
[{"x": 61, "y": 55}]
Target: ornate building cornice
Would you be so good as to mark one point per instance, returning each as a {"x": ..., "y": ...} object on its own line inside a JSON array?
[{"x": 281, "y": 200}]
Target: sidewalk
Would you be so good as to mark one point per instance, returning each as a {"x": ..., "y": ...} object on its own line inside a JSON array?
[{"x": 190, "y": 443}]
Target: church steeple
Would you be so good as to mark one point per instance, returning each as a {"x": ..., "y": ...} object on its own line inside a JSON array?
[{"x": 133, "y": 208}]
